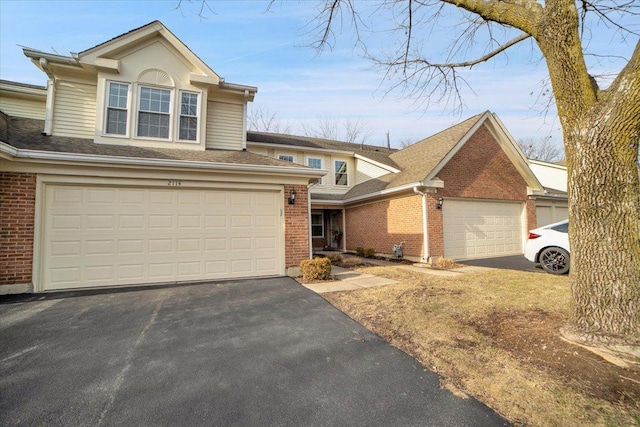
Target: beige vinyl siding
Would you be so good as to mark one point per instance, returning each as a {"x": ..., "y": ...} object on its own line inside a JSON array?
[
  {"x": 27, "y": 108},
  {"x": 225, "y": 126},
  {"x": 74, "y": 112},
  {"x": 366, "y": 171}
]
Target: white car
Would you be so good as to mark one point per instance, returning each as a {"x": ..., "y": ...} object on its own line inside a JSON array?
[{"x": 549, "y": 246}]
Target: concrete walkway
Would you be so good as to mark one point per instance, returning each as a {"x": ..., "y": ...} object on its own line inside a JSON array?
[{"x": 350, "y": 280}]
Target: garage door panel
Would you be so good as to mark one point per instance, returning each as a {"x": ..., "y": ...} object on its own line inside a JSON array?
[
  {"x": 476, "y": 229},
  {"x": 146, "y": 235}
]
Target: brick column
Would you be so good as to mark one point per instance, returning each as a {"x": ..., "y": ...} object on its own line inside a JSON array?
[
  {"x": 17, "y": 217},
  {"x": 296, "y": 226}
]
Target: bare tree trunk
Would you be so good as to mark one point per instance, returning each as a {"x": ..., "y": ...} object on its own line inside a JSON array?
[{"x": 604, "y": 232}]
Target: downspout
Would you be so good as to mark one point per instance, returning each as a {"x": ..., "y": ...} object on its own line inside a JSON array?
[
  {"x": 48, "y": 118},
  {"x": 244, "y": 120},
  {"x": 425, "y": 228}
]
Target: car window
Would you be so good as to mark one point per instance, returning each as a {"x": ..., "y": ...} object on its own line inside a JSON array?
[{"x": 562, "y": 228}]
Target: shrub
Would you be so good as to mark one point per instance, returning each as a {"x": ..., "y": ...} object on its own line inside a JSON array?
[
  {"x": 351, "y": 262},
  {"x": 335, "y": 257},
  {"x": 444, "y": 264},
  {"x": 369, "y": 253},
  {"x": 315, "y": 269},
  {"x": 360, "y": 251}
]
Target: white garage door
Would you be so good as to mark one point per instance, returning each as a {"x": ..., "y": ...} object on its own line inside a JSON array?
[
  {"x": 480, "y": 229},
  {"x": 105, "y": 236},
  {"x": 548, "y": 211}
]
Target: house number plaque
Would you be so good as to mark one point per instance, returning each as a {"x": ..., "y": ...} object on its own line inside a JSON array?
[{"x": 173, "y": 183}]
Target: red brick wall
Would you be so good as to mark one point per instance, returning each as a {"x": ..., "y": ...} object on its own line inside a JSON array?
[
  {"x": 532, "y": 219},
  {"x": 296, "y": 226},
  {"x": 381, "y": 225},
  {"x": 17, "y": 217},
  {"x": 436, "y": 231},
  {"x": 480, "y": 169}
]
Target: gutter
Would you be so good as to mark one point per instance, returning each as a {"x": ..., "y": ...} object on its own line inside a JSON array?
[{"x": 137, "y": 161}]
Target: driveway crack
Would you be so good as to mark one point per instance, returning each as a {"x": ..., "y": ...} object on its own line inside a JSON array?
[{"x": 129, "y": 359}]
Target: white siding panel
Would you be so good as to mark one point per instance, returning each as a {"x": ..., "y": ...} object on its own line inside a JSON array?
[
  {"x": 74, "y": 113},
  {"x": 225, "y": 126},
  {"x": 27, "y": 108},
  {"x": 366, "y": 171}
]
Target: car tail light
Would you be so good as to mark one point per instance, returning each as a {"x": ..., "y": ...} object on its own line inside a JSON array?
[{"x": 533, "y": 236}]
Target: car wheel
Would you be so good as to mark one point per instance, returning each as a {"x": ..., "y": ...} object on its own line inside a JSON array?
[{"x": 555, "y": 260}]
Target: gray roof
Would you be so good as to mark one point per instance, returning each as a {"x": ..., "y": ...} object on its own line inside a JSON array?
[
  {"x": 373, "y": 152},
  {"x": 418, "y": 160},
  {"x": 26, "y": 134}
]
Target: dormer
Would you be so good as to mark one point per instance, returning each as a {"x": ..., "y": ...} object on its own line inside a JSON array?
[{"x": 144, "y": 88}]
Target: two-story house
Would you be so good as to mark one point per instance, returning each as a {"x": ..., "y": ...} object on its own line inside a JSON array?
[{"x": 133, "y": 166}]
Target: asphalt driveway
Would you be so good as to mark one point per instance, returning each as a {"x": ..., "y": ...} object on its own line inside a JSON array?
[
  {"x": 252, "y": 352},
  {"x": 512, "y": 262}
]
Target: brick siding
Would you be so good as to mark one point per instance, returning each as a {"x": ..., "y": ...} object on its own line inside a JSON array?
[
  {"x": 480, "y": 169},
  {"x": 17, "y": 217},
  {"x": 296, "y": 226},
  {"x": 381, "y": 225}
]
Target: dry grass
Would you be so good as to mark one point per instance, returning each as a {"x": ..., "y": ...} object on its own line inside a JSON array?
[{"x": 493, "y": 335}]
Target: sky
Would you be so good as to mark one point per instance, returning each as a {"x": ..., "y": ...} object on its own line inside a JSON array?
[{"x": 245, "y": 43}]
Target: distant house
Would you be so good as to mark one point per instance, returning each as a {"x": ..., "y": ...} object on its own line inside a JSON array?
[
  {"x": 553, "y": 205},
  {"x": 133, "y": 166}
]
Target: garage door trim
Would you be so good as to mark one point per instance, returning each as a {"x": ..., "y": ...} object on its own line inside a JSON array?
[{"x": 44, "y": 181}]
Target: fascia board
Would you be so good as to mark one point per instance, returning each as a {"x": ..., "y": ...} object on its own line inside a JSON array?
[
  {"x": 547, "y": 164},
  {"x": 35, "y": 55},
  {"x": 376, "y": 163},
  {"x": 299, "y": 148},
  {"x": 514, "y": 152},
  {"x": 457, "y": 147},
  {"x": 23, "y": 89},
  {"x": 113, "y": 160},
  {"x": 387, "y": 192}
]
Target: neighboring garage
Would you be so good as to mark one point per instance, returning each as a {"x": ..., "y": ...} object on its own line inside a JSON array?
[
  {"x": 549, "y": 211},
  {"x": 480, "y": 229},
  {"x": 122, "y": 235}
]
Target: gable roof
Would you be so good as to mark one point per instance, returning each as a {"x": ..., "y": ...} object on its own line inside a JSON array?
[
  {"x": 103, "y": 56},
  {"x": 20, "y": 137},
  {"x": 420, "y": 162}
]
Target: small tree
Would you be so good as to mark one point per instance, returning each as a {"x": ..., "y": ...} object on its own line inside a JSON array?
[{"x": 541, "y": 149}]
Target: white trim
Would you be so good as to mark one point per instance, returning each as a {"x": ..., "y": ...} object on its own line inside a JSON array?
[
  {"x": 171, "y": 90},
  {"x": 197, "y": 116},
  {"x": 376, "y": 163},
  {"x": 293, "y": 157},
  {"x": 136, "y": 161},
  {"x": 321, "y": 213},
  {"x": 105, "y": 114},
  {"x": 306, "y": 162},
  {"x": 335, "y": 172}
]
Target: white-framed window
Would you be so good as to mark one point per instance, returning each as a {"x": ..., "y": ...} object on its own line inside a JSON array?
[
  {"x": 154, "y": 112},
  {"x": 188, "y": 127},
  {"x": 117, "y": 108},
  {"x": 317, "y": 225},
  {"x": 341, "y": 174},
  {"x": 316, "y": 163},
  {"x": 286, "y": 157}
]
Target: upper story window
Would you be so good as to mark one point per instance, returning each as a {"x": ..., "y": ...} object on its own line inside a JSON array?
[
  {"x": 117, "y": 108},
  {"x": 286, "y": 157},
  {"x": 316, "y": 163},
  {"x": 341, "y": 173},
  {"x": 188, "y": 116},
  {"x": 154, "y": 117}
]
